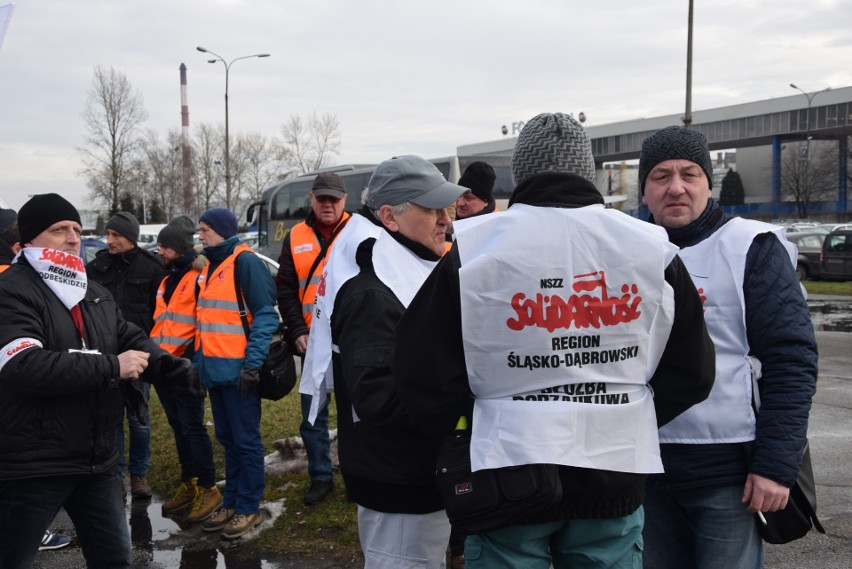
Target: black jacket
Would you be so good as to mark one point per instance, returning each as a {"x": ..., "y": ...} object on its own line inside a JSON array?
[
  {"x": 132, "y": 278},
  {"x": 60, "y": 409},
  {"x": 387, "y": 464},
  {"x": 781, "y": 335},
  {"x": 287, "y": 280},
  {"x": 432, "y": 378}
]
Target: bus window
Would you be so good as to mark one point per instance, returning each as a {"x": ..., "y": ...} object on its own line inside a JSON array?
[
  {"x": 300, "y": 205},
  {"x": 355, "y": 185},
  {"x": 280, "y": 208}
]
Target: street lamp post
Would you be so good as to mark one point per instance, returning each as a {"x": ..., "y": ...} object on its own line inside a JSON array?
[
  {"x": 227, "y": 65},
  {"x": 810, "y": 98}
]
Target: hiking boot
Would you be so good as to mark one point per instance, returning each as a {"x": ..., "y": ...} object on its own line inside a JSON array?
[
  {"x": 139, "y": 487},
  {"x": 52, "y": 540},
  {"x": 219, "y": 520},
  {"x": 182, "y": 498},
  {"x": 241, "y": 524},
  {"x": 317, "y": 492},
  {"x": 207, "y": 500}
]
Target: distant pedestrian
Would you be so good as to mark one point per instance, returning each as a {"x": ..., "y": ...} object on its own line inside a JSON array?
[
  {"x": 229, "y": 357},
  {"x": 174, "y": 330},
  {"x": 131, "y": 274}
]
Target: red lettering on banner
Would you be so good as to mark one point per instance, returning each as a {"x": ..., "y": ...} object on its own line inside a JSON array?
[
  {"x": 583, "y": 309},
  {"x": 72, "y": 262}
]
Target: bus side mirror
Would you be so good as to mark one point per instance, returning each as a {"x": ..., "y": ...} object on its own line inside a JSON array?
[{"x": 250, "y": 214}]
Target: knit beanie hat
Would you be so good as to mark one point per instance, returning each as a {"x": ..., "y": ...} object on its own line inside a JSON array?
[
  {"x": 222, "y": 221},
  {"x": 125, "y": 224},
  {"x": 673, "y": 143},
  {"x": 42, "y": 211},
  {"x": 479, "y": 178},
  {"x": 178, "y": 234},
  {"x": 553, "y": 142}
]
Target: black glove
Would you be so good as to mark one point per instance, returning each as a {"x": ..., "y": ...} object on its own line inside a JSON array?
[
  {"x": 195, "y": 388},
  {"x": 249, "y": 380},
  {"x": 175, "y": 371}
]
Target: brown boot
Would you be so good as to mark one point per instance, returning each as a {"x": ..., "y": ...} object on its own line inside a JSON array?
[
  {"x": 205, "y": 503},
  {"x": 241, "y": 524},
  {"x": 219, "y": 520},
  {"x": 182, "y": 498},
  {"x": 139, "y": 487}
]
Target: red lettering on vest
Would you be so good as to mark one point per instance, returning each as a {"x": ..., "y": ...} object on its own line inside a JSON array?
[
  {"x": 583, "y": 309},
  {"x": 73, "y": 262},
  {"x": 321, "y": 285}
]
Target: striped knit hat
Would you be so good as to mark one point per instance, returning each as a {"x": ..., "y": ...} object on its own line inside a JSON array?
[
  {"x": 674, "y": 143},
  {"x": 553, "y": 142}
]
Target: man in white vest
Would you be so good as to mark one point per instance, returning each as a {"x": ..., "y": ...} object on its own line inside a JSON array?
[
  {"x": 385, "y": 461},
  {"x": 723, "y": 464},
  {"x": 568, "y": 333}
]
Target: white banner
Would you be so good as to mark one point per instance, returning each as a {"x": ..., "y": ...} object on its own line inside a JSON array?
[{"x": 5, "y": 17}]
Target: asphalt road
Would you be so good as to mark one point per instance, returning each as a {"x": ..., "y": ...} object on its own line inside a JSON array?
[{"x": 830, "y": 435}]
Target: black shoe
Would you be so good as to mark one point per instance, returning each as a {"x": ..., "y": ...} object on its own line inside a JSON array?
[{"x": 319, "y": 489}]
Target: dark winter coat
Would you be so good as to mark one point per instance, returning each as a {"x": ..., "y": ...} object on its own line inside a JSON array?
[
  {"x": 781, "y": 335},
  {"x": 432, "y": 377},
  {"x": 60, "y": 409},
  {"x": 132, "y": 278},
  {"x": 387, "y": 464}
]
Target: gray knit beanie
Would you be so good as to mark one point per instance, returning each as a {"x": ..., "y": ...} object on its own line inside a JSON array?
[
  {"x": 124, "y": 223},
  {"x": 178, "y": 234},
  {"x": 674, "y": 143},
  {"x": 553, "y": 142}
]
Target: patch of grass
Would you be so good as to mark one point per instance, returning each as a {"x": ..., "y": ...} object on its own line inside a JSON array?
[
  {"x": 828, "y": 287},
  {"x": 328, "y": 530}
]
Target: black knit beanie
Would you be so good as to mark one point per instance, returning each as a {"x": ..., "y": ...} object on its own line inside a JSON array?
[
  {"x": 222, "y": 221},
  {"x": 178, "y": 234},
  {"x": 674, "y": 143},
  {"x": 42, "y": 211},
  {"x": 479, "y": 178},
  {"x": 124, "y": 223},
  {"x": 553, "y": 142}
]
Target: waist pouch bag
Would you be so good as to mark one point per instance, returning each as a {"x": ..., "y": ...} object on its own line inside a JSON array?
[
  {"x": 797, "y": 519},
  {"x": 278, "y": 374},
  {"x": 485, "y": 500}
]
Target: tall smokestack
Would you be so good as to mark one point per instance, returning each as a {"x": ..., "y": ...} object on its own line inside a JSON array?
[{"x": 188, "y": 193}]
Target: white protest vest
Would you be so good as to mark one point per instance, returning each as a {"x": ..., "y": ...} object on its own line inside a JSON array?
[
  {"x": 340, "y": 266},
  {"x": 565, "y": 315},
  {"x": 717, "y": 267}
]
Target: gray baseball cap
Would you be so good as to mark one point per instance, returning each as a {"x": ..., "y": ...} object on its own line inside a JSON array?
[{"x": 410, "y": 179}]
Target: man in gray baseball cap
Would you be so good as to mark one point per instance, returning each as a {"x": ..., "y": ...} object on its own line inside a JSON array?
[{"x": 400, "y": 511}]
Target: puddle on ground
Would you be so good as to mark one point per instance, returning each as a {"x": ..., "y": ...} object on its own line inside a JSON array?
[
  {"x": 165, "y": 542},
  {"x": 831, "y": 316}
]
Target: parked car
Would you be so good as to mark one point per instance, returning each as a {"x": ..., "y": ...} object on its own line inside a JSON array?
[
  {"x": 809, "y": 245},
  {"x": 90, "y": 247},
  {"x": 836, "y": 257}
]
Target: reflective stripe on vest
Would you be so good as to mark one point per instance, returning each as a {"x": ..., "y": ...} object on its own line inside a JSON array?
[
  {"x": 304, "y": 250},
  {"x": 174, "y": 323},
  {"x": 220, "y": 329}
]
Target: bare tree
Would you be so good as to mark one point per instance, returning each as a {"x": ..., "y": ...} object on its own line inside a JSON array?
[
  {"x": 165, "y": 175},
  {"x": 311, "y": 143},
  {"x": 261, "y": 164},
  {"x": 113, "y": 115},
  {"x": 209, "y": 175},
  {"x": 809, "y": 179}
]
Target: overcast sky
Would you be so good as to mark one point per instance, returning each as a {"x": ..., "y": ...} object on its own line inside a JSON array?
[{"x": 402, "y": 76}]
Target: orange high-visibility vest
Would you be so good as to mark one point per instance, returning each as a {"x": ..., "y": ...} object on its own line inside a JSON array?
[
  {"x": 4, "y": 267},
  {"x": 304, "y": 249},
  {"x": 220, "y": 329},
  {"x": 174, "y": 323}
]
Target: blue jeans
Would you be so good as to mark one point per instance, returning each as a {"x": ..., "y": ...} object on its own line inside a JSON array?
[
  {"x": 185, "y": 413},
  {"x": 237, "y": 424},
  {"x": 317, "y": 442},
  {"x": 93, "y": 502},
  {"x": 140, "y": 438},
  {"x": 615, "y": 543},
  {"x": 701, "y": 528}
]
